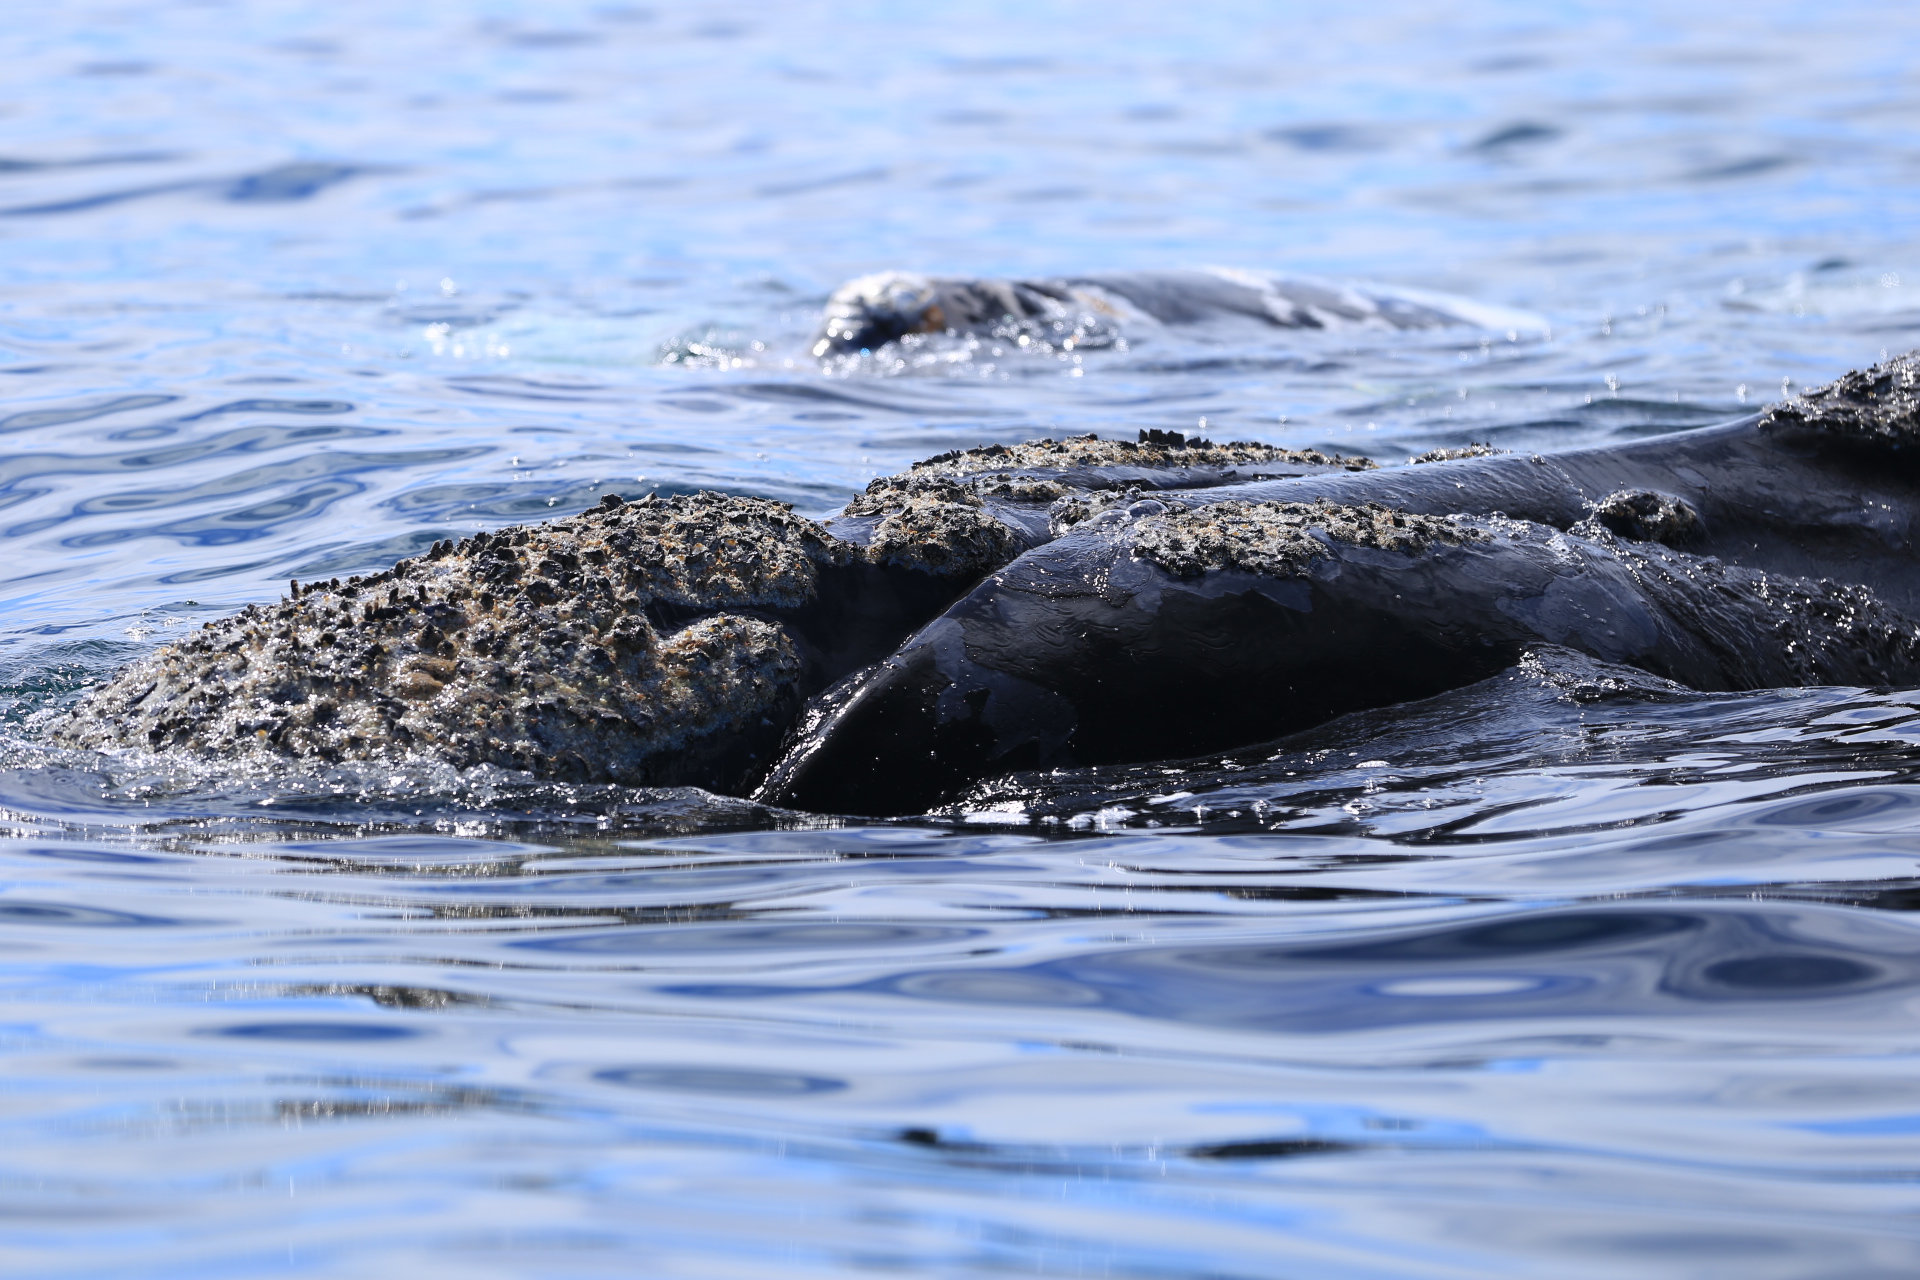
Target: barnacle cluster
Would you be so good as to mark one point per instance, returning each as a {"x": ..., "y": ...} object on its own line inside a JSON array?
[
  {"x": 1154, "y": 449},
  {"x": 1283, "y": 539},
  {"x": 939, "y": 514},
  {"x": 1477, "y": 449},
  {"x": 1879, "y": 405},
  {"x": 1645, "y": 515},
  {"x": 606, "y": 646},
  {"x": 938, "y": 524}
]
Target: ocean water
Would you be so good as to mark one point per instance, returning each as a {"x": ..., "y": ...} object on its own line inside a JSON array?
[{"x": 1500, "y": 984}]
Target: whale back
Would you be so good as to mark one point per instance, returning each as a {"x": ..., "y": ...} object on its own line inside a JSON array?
[
  {"x": 1094, "y": 310},
  {"x": 1165, "y": 631},
  {"x": 1766, "y": 500}
]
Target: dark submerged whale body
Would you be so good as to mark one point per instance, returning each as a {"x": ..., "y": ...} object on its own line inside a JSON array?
[
  {"x": 1160, "y": 632},
  {"x": 1067, "y": 602},
  {"x": 1090, "y": 311},
  {"x": 1189, "y": 622}
]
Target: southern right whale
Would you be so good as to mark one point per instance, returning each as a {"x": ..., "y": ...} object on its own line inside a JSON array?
[
  {"x": 1094, "y": 309},
  {"x": 1164, "y": 631},
  {"x": 1773, "y": 551},
  {"x": 1069, "y": 601}
]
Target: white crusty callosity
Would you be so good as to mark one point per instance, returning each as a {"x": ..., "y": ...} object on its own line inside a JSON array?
[
  {"x": 1875, "y": 406},
  {"x": 526, "y": 648},
  {"x": 1283, "y": 539}
]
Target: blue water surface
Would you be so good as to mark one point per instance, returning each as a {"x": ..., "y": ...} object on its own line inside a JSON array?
[{"x": 1499, "y": 985}]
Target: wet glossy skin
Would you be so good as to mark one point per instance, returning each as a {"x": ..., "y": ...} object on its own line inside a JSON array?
[
  {"x": 1769, "y": 500},
  {"x": 1093, "y": 310},
  {"x": 1083, "y": 653}
]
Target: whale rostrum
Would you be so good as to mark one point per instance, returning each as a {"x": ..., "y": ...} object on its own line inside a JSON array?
[{"x": 1072, "y": 602}]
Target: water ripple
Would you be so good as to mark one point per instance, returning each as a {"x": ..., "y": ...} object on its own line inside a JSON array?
[{"x": 1495, "y": 984}]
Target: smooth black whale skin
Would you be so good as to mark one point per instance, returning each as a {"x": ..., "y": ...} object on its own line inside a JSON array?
[{"x": 1082, "y": 653}]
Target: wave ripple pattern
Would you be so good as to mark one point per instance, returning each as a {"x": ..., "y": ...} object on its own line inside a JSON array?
[{"x": 1502, "y": 984}]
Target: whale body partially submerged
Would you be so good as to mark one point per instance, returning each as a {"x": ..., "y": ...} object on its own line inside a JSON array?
[
  {"x": 1074, "y": 602},
  {"x": 1087, "y": 311},
  {"x": 1168, "y": 631},
  {"x": 659, "y": 642}
]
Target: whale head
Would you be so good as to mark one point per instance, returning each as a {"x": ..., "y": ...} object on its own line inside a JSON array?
[{"x": 867, "y": 313}]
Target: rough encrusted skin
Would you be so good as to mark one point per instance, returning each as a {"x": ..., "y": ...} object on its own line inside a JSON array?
[
  {"x": 525, "y": 648},
  {"x": 1473, "y": 450},
  {"x": 934, "y": 515},
  {"x": 890, "y": 493},
  {"x": 949, "y": 539},
  {"x": 1880, "y": 405},
  {"x": 1278, "y": 538},
  {"x": 1092, "y": 451},
  {"x": 939, "y": 524},
  {"x": 1644, "y": 515}
]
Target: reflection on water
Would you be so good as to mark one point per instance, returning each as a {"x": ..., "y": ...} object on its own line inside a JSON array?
[
  {"x": 1536, "y": 978},
  {"x": 1661, "y": 1023}
]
